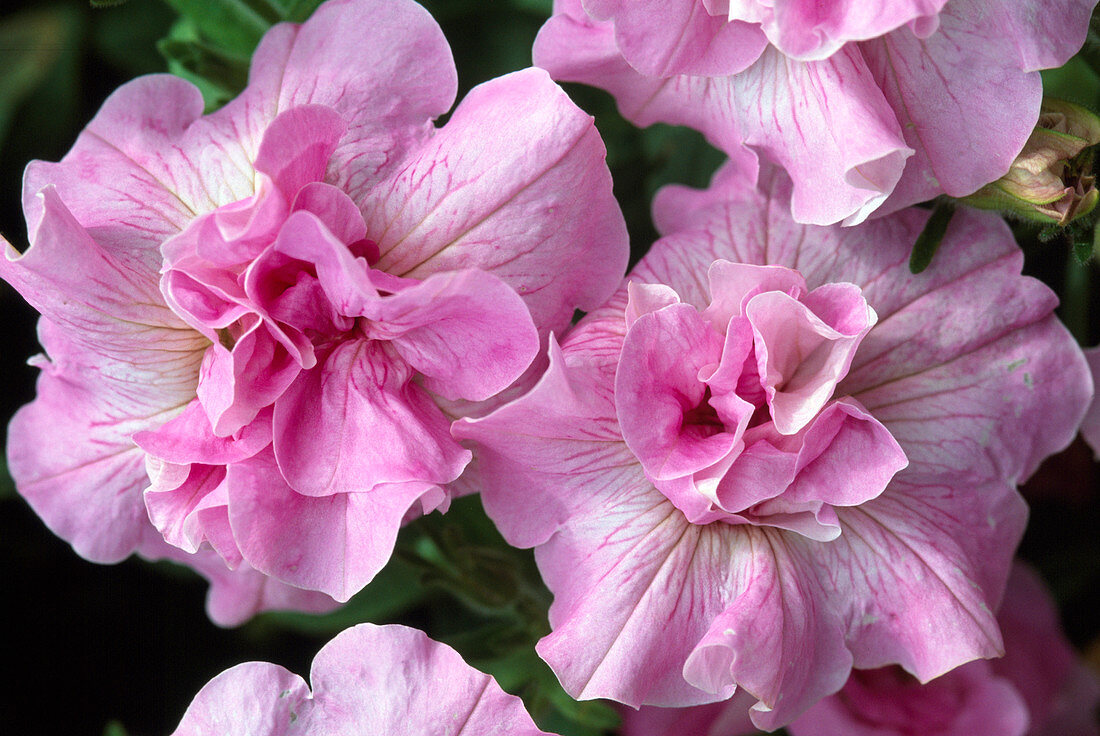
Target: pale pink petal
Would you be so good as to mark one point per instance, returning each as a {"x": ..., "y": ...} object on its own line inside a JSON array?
[
  {"x": 393, "y": 679},
  {"x": 388, "y": 79},
  {"x": 368, "y": 680},
  {"x": 780, "y": 639},
  {"x": 887, "y": 702},
  {"x": 567, "y": 418},
  {"x": 123, "y": 179},
  {"x": 1061, "y": 692},
  {"x": 335, "y": 544},
  {"x": 804, "y": 348},
  {"x": 799, "y": 110},
  {"x": 357, "y": 421},
  {"x": 108, "y": 305},
  {"x": 647, "y": 563},
  {"x": 969, "y": 113},
  {"x": 664, "y": 37},
  {"x": 255, "y": 698},
  {"x": 116, "y": 366},
  {"x": 473, "y": 197},
  {"x": 928, "y": 581},
  {"x": 575, "y": 48}
]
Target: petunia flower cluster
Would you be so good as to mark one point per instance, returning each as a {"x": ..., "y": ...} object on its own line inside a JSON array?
[
  {"x": 869, "y": 106},
  {"x": 770, "y": 475}
]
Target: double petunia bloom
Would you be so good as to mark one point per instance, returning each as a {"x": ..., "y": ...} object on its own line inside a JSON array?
[
  {"x": 775, "y": 454},
  {"x": 260, "y": 323}
]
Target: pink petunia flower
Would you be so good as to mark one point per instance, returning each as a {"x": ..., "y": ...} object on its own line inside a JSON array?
[
  {"x": 869, "y": 105},
  {"x": 1039, "y": 688},
  {"x": 260, "y": 323},
  {"x": 368, "y": 680},
  {"x": 775, "y": 454}
]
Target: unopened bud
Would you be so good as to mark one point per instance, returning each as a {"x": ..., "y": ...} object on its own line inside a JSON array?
[{"x": 1051, "y": 181}]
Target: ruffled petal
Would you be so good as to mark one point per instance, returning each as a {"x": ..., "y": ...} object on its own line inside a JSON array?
[
  {"x": 514, "y": 146},
  {"x": 467, "y": 332},
  {"x": 358, "y": 421},
  {"x": 335, "y": 544},
  {"x": 800, "y": 114},
  {"x": 780, "y": 639},
  {"x": 561, "y": 442},
  {"x": 661, "y": 38}
]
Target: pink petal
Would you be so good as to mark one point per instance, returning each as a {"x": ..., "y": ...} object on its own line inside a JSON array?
[
  {"x": 647, "y": 564},
  {"x": 467, "y": 333},
  {"x": 117, "y": 365},
  {"x": 514, "y": 146},
  {"x": 658, "y": 383},
  {"x": 358, "y": 421},
  {"x": 255, "y": 698},
  {"x": 801, "y": 357},
  {"x": 779, "y": 639},
  {"x": 921, "y": 82},
  {"x": 388, "y": 80},
  {"x": 297, "y": 146},
  {"x": 561, "y": 442},
  {"x": 661, "y": 38},
  {"x": 369, "y": 680},
  {"x": 393, "y": 679},
  {"x": 881, "y": 702},
  {"x": 575, "y": 48},
  {"x": 806, "y": 30},
  {"x": 798, "y": 122},
  {"x": 929, "y": 580},
  {"x": 335, "y": 544},
  {"x": 189, "y": 438}
]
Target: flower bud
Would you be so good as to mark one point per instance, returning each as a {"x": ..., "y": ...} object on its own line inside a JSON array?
[{"x": 1051, "y": 181}]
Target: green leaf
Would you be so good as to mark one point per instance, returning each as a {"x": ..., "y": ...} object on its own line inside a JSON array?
[
  {"x": 219, "y": 75},
  {"x": 7, "y": 485},
  {"x": 233, "y": 27},
  {"x": 32, "y": 43},
  {"x": 395, "y": 590},
  {"x": 114, "y": 728},
  {"x": 107, "y": 3},
  {"x": 1083, "y": 248},
  {"x": 928, "y": 242}
]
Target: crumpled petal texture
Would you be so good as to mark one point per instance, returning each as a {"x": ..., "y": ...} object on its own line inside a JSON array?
[
  {"x": 869, "y": 105},
  {"x": 662, "y": 601},
  {"x": 259, "y": 324},
  {"x": 1039, "y": 688},
  {"x": 369, "y": 680}
]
